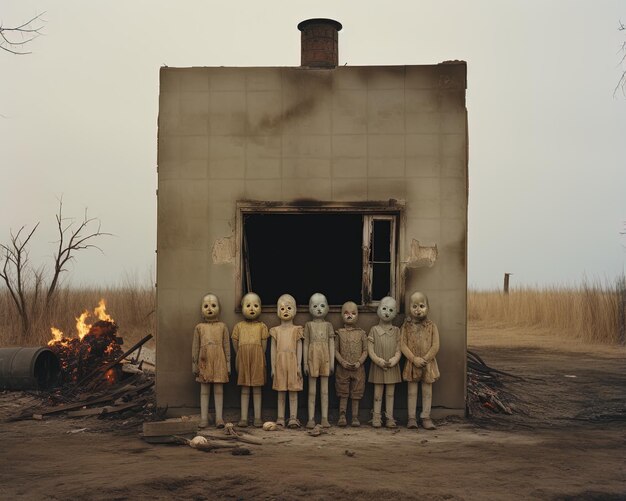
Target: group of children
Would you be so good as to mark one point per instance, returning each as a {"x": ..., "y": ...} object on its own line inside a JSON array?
[{"x": 320, "y": 346}]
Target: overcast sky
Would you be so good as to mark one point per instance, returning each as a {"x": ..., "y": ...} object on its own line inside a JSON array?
[{"x": 547, "y": 136}]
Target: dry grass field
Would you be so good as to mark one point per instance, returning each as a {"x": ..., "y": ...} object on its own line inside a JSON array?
[
  {"x": 591, "y": 313},
  {"x": 132, "y": 307}
]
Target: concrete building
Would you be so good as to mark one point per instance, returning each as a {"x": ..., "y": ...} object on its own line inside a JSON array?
[{"x": 351, "y": 181}]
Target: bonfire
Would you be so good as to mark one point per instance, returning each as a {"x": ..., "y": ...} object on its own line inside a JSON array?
[{"x": 94, "y": 346}]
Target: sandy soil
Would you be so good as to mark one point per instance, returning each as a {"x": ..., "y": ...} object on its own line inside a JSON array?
[{"x": 567, "y": 441}]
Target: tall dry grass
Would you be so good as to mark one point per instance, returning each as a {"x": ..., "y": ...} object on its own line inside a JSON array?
[
  {"x": 132, "y": 306},
  {"x": 592, "y": 312}
]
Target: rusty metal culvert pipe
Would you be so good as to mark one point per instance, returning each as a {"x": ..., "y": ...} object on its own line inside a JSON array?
[{"x": 35, "y": 368}]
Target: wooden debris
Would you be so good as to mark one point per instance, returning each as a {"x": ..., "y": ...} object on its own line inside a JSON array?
[
  {"x": 127, "y": 389},
  {"x": 231, "y": 434},
  {"x": 109, "y": 409},
  {"x": 485, "y": 388},
  {"x": 166, "y": 439},
  {"x": 214, "y": 445},
  {"x": 73, "y": 432},
  {"x": 100, "y": 371},
  {"x": 173, "y": 426}
]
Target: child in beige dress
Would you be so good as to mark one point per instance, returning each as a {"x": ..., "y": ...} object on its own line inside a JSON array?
[
  {"x": 420, "y": 344},
  {"x": 384, "y": 351},
  {"x": 210, "y": 359},
  {"x": 250, "y": 343},
  {"x": 319, "y": 356},
  {"x": 286, "y": 353}
]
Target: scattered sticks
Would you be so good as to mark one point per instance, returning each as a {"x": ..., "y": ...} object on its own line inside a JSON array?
[{"x": 485, "y": 388}]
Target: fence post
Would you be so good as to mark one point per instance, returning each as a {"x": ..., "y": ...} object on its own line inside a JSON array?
[{"x": 506, "y": 282}]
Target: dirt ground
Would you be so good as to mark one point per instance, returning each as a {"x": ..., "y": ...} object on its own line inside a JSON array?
[{"x": 567, "y": 440}]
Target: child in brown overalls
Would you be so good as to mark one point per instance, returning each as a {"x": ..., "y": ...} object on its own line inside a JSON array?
[{"x": 350, "y": 353}]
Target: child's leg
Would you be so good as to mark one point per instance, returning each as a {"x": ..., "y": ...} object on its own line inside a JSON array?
[
  {"x": 343, "y": 406},
  {"x": 256, "y": 396},
  {"x": 312, "y": 391},
  {"x": 355, "y": 412},
  {"x": 412, "y": 404},
  {"x": 245, "y": 403},
  {"x": 324, "y": 400},
  {"x": 205, "y": 392},
  {"x": 427, "y": 401},
  {"x": 293, "y": 410},
  {"x": 390, "y": 391},
  {"x": 281, "y": 408},
  {"x": 378, "y": 404},
  {"x": 218, "y": 396}
]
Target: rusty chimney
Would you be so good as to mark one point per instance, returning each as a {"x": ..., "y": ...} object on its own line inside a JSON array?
[{"x": 319, "y": 42}]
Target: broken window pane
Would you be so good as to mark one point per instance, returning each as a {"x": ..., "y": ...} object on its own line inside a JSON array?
[
  {"x": 381, "y": 281},
  {"x": 381, "y": 240}
]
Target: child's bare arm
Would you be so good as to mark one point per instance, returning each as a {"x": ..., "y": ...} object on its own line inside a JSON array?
[
  {"x": 195, "y": 351},
  {"x": 226, "y": 346},
  {"x": 406, "y": 351},
  {"x": 434, "y": 348},
  {"x": 306, "y": 350},
  {"x": 273, "y": 356},
  {"x": 331, "y": 349}
]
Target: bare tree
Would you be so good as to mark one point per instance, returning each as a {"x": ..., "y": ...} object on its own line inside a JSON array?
[
  {"x": 25, "y": 283},
  {"x": 14, "y": 39}
]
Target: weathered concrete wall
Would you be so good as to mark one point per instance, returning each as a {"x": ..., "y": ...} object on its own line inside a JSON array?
[{"x": 280, "y": 134}]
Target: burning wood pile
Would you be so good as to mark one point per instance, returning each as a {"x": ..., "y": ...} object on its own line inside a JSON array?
[
  {"x": 95, "y": 345},
  {"x": 96, "y": 378},
  {"x": 485, "y": 389}
]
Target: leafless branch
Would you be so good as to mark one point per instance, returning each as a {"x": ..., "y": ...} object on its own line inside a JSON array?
[
  {"x": 15, "y": 270},
  {"x": 71, "y": 239},
  {"x": 27, "y": 284},
  {"x": 621, "y": 84},
  {"x": 12, "y": 39}
]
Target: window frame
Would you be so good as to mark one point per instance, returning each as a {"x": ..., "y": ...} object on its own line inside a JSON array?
[
  {"x": 367, "y": 281},
  {"x": 392, "y": 210}
]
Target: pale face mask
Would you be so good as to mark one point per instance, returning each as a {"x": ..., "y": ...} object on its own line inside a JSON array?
[
  {"x": 349, "y": 313},
  {"x": 251, "y": 306},
  {"x": 210, "y": 307},
  {"x": 286, "y": 307},
  {"x": 387, "y": 310},
  {"x": 318, "y": 306},
  {"x": 419, "y": 306}
]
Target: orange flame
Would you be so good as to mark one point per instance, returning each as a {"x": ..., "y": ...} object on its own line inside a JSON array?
[
  {"x": 81, "y": 326},
  {"x": 57, "y": 336},
  {"x": 100, "y": 311}
]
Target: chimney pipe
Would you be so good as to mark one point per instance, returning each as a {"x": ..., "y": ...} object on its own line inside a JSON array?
[{"x": 319, "y": 43}]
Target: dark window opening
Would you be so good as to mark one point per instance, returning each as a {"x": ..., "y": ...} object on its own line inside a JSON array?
[
  {"x": 380, "y": 258},
  {"x": 347, "y": 256},
  {"x": 300, "y": 254}
]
